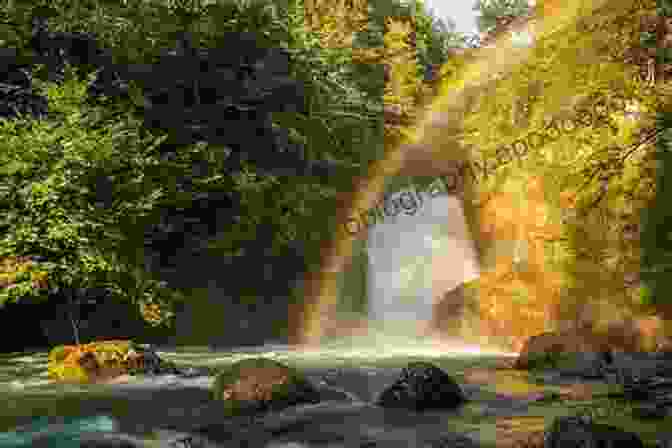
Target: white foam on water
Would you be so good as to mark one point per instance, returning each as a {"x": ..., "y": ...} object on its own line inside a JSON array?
[
  {"x": 166, "y": 382},
  {"x": 380, "y": 347},
  {"x": 16, "y": 384},
  {"x": 29, "y": 359},
  {"x": 285, "y": 445}
]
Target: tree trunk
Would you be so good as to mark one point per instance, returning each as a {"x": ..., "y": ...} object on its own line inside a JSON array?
[{"x": 71, "y": 305}]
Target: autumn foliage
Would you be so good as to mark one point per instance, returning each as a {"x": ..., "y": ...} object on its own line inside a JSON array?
[{"x": 13, "y": 268}]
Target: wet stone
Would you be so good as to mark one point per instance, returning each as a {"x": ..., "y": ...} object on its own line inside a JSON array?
[
  {"x": 578, "y": 432},
  {"x": 423, "y": 386}
]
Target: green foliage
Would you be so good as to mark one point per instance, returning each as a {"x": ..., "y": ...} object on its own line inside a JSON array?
[
  {"x": 657, "y": 222},
  {"x": 664, "y": 8},
  {"x": 52, "y": 200},
  {"x": 337, "y": 106},
  {"x": 490, "y": 10},
  {"x": 586, "y": 148},
  {"x": 353, "y": 280},
  {"x": 342, "y": 123},
  {"x": 433, "y": 36}
]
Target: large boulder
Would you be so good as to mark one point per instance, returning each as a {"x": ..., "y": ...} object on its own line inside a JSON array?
[
  {"x": 422, "y": 386},
  {"x": 104, "y": 361},
  {"x": 576, "y": 353},
  {"x": 587, "y": 365},
  {"x": 261, "y": 384},
  {"x": 580, "y": 432}
]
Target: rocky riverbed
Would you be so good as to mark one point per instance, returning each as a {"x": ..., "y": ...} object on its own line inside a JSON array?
[{"x": 504, "y": 406}]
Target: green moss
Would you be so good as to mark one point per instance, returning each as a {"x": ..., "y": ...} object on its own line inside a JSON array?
[
  {"x": 352, "y": 281},
  {"x": 58, "y": 353},
  {"x": 281, "y": 395},
  {"x": 547, "y": 360},
  {"x": 107, "y": 353},
  {"x": 70, "y": 372}
]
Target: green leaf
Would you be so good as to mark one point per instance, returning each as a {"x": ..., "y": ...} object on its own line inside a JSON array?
[{"x": 316, "y": 129}]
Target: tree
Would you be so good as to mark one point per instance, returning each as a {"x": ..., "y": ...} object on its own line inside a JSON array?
[
  {"x": 53, "y": 209},
  {"x": 492, "y": 12},
  {"x": 655, "y": 229}
]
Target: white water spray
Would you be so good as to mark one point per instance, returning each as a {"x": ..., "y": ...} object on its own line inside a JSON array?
[{"x": 413, "y": 261}]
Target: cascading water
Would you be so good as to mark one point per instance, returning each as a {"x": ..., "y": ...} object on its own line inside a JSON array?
[
  {"x": 408, "y": 270},
  {"x": 414, "y": 259},
  {"x": 400, "y": 269},
  {"x": 398, "y": 292}
]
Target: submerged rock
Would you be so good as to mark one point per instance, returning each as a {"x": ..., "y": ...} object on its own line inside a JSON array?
[{"x": 548, "y": 349}]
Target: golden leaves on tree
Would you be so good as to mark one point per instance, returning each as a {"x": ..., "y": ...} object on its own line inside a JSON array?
[
  {"x": 336, "y": 22},
  {"x": 153, "y": 313}
]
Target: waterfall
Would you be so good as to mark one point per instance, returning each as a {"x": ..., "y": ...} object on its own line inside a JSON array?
[{"x": 414, "y": 259}]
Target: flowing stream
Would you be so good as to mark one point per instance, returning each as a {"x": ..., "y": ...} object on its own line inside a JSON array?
[{"x": 502, "y": 403}]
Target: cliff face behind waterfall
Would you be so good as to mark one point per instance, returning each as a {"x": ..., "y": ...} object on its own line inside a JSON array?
[{"x": 521, "y": 218}]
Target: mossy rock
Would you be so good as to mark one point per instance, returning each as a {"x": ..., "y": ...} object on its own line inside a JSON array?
[
  {"x": 260, "y": 384},
  {"x": 64, "y": 365},
  {"x": 60, "y": 352},
  {"x": 86, "y": 363},
  {"x": 550, "y": 360}
]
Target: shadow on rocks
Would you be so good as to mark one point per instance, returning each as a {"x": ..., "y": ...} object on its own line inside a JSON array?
[{"x": 422, "y": 386}]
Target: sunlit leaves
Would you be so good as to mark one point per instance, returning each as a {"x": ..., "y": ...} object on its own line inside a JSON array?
[
  {"x": 47, "y": 200},
  {"x": 336, "y": 23},
  {"x": 566, "y": 79}
]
